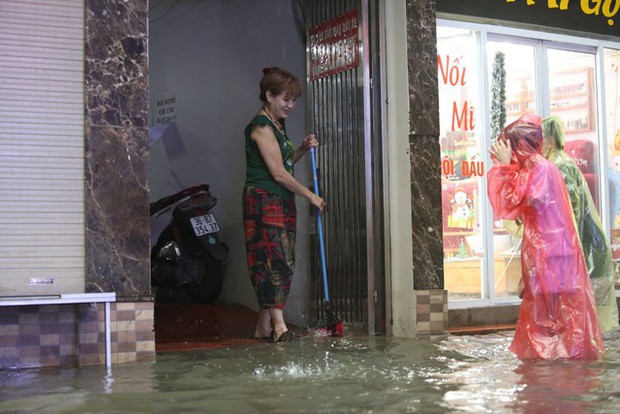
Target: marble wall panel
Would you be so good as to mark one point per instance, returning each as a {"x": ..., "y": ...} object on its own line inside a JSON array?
[
  {"x": 424, "y": 145},
  {"x": 422, "y": 63},
  {"x": 426, "y": 211},
  {"x": 117, "y": 238}
]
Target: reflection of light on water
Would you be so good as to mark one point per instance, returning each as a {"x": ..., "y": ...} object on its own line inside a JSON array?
[
  {"x": 478, "y": 384},
  {"x": 348, "y": 344},
  {"x": 319, "y": 332},
  {"x": 491, "y": 346},
  {"x": 483, "y": 374},
  {"x": 300, "y": 370},
  {"x": 486, "y": 377},
  {"x": 108, "y": 381},
  {"x": 291, "y": 370}
]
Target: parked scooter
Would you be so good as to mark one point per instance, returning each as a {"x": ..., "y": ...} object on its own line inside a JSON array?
[{"x": 187, "y": 255}]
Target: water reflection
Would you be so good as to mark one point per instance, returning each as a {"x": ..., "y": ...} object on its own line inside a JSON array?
[
  {"x": 493, "y": 380},
  {"x": 557, "y": 387},
  {"x": 328, "y": 375}
]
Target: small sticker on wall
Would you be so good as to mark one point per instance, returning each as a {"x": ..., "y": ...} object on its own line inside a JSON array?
[{"x": 41, "y": 281}]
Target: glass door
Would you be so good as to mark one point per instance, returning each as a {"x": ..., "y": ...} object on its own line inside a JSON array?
[{"x": 513, "y": 92}]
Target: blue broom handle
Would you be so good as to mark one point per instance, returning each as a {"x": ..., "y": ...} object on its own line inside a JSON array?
[{"x": 320, "y": 225}]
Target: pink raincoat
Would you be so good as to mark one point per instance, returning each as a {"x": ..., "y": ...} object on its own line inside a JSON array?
[{"x": 557, "y": 318}]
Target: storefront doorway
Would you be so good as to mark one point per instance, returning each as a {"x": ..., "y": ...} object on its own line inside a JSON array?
[{"x": 206, "y": 59}]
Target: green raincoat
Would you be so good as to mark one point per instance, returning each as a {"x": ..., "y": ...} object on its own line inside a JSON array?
[
  {"x": 596, "y": 249},
  {"x": 594, "y": 242}
]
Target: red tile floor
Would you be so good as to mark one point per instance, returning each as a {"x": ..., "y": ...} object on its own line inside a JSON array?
[{"x": 185, "y": 326}]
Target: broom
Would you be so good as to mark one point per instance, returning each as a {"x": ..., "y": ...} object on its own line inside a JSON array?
[{"x": 332, "y": 324}]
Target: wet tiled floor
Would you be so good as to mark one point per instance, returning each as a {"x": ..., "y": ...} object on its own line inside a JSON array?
[{"x": 187, "y": 326}]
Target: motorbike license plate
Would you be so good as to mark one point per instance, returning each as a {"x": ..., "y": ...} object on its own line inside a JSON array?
[{"x": 204, "y": 224}]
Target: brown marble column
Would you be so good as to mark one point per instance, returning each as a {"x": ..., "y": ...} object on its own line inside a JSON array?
[
  {"x": 424, "y": 145},
  {"x": 116, "y": 159},
  {"x": 431, "y": 299}
]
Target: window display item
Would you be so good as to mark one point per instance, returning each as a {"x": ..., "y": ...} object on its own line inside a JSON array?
[
  {"x": 463, "y": 215},
  {"x": 557, "y": 317},
  {"x": 582, "y": 152}
]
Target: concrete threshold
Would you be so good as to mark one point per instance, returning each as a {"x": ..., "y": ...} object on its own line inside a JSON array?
[{"x": 478, "y": 330}]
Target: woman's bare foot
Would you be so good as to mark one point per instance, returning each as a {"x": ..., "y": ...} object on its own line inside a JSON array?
[
  {"x": 263, "y": 326},
  {"x": 277, "y": 321}
]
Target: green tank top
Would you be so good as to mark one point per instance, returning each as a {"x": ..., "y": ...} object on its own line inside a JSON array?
[{"x": 257, "y": 174}]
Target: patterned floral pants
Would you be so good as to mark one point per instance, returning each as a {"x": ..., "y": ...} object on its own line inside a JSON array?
[{"x": 270, "y": 225}]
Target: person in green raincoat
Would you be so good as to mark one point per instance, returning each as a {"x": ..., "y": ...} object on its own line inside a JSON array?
[{"x": 594, "y": 242}]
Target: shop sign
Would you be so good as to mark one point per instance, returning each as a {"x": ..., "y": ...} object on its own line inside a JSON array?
[
  {"x": 334, "y": 45},
  {"x": 592, "y": 16},
  {"x": 606, "y": 8}
]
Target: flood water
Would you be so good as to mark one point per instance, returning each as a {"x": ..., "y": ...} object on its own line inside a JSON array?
[{"x": 470, "y": 374}]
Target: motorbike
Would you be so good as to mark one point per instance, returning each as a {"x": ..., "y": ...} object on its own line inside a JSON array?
[{"x": 187, "y": 255}]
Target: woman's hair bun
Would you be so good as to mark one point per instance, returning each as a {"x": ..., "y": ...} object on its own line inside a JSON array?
[{"x": 267, "y": 70}]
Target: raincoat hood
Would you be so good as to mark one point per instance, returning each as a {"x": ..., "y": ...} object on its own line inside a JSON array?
[
  {"x": 553, "y": 131},
  {"x": 525, "y": 136}
]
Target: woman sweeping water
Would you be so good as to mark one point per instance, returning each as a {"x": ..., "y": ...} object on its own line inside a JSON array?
[{"x": 269, "y": 214}]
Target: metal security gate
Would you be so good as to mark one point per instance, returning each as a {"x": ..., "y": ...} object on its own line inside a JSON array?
[
  {"x": 340, "y": 114},
  {"x": 42, "y": 147}
]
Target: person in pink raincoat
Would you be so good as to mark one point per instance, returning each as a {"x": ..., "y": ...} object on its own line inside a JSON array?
[{"x": 557, "y": 317}]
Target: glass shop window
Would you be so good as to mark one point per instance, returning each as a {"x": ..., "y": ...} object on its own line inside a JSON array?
[
  {"x": 572, "y": 97},
  {"x": 461, "y": 162},
  {"x": 486, "y": 81},
  {"x": 612, "y": 124}
]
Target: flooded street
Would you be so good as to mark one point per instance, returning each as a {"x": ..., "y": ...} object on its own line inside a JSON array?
[{"x": 328, "y": 375}]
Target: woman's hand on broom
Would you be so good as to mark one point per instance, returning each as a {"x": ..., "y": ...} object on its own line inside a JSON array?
[
  {"x": 318, "y": 202},
  {"x": 310, "y": 141}
]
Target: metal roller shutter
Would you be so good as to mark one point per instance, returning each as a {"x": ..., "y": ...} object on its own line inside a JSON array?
[{"x": 41, "y": 147}]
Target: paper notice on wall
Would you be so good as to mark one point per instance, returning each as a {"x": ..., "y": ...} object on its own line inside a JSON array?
[{"x": 166, "y": 110}]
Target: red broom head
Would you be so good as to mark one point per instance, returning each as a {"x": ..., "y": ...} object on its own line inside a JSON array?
[{"x": 336, "y": 328}]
